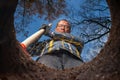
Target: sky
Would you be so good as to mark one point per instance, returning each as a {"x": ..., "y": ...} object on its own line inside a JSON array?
[{"x": 37, "y": 22}]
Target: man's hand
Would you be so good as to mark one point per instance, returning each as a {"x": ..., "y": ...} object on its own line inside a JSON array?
[{"x": 46, "y": 27}]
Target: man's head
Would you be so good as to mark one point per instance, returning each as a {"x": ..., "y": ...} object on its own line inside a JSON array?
[{"x": 63, "y": 26}]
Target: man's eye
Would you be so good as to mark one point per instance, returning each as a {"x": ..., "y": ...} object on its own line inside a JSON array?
[{"x": 66, "y": 26}]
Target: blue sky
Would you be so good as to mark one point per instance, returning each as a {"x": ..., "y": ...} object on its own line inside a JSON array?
[{"x": 37, "y": 22}]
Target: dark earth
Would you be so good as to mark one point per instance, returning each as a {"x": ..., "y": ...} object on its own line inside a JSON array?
[{"x": 15, "y": 64}]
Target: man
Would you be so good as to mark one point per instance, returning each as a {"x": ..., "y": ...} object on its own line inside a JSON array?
[{"x": 63, "y": 51}]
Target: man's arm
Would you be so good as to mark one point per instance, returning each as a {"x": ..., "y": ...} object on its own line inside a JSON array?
[
  {"x": 66, "y": 37},
  {"x": 34, "y": 37}
]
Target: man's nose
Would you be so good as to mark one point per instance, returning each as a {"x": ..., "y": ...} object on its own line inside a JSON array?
[{"x": 63, "y": 27}]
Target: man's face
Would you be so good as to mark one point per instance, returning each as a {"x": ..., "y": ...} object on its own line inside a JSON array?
[{"x": 63, "y": 27}]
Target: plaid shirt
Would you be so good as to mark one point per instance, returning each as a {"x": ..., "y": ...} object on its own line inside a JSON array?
[{"x": 63, "y": 41}]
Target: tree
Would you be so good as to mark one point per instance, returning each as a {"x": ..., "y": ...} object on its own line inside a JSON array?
[
  {"x": 26, "y": 9},
  {"x": 93, "y": 25},
  {"x": 16, "y": 65},
  {"x": 94, "y": 21}
]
